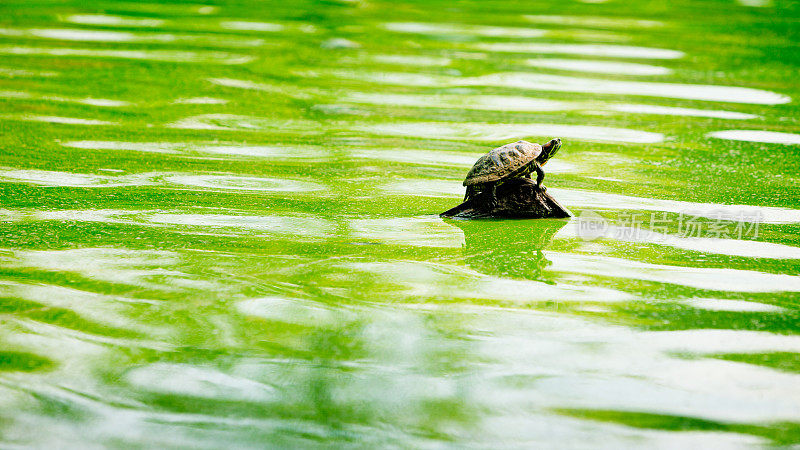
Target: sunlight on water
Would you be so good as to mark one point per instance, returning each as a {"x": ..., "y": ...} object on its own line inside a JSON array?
[
  {"x": 452, "y": 28},
  {"x": 557, "y": 83},
  {"x": 154, "y": 55},
  {"x": 243, "y": 183},
  {"x": 53, "y": 178},
  {"x": 201, "y": 101},
  {"x": 411, "y": 60},
  {"x": 751, "y": 213},
  {"x": 480, "y": 102},
  {"x": 714, "y": 304},
  {"x": 675, "y": 111},
  {"x": 102, "y": 102},
  {"x": 60, "y": 120},
  {"x": 288, "y": 225},
  {"x": 594, "y": 21},
  {"x": 114, "y": 21},
  {"x": 706, "y": 245},
  {"x": 187, "y": 380},
  {"x": 68, "y": 34},
  {"x": 771, "y": 137},
  {"x": 425, "y": 232},
  {"x": 702, "y": 278},
  {"x": 506, "y": 132},
  {"x": 615, "y": 51},
  {"x": 251, "y": 26},
  {"x": 610, "y": 67},
  {"x": 233, "y": 149},
  {"x": 231, "y": 122}
]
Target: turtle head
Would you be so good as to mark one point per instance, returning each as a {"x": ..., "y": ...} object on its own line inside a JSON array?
[{"x": 549, "y": 150}]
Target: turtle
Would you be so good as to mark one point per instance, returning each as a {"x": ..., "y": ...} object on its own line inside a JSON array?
[{"x": 514, "y": 160}]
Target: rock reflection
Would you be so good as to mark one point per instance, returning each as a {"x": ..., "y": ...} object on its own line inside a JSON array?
[{"x": 509, "y": 248}]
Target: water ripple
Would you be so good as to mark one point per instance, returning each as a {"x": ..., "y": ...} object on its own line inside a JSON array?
[
  {"x": 614, "y": 51},
  {"x": 215, "y": 148},
  {"x": 414, "y": 231},
  {"x": 595, "y": 21},
  {"x": 609, "y": 67},
  {"x": 501, "y": 132},
  {"x": 730, "y": 280},
  {"x": 201, "y": 382},
  {"x": 717, "y": 211},
  {"x": 767, "y": 137},
  {"x": 408, "y": 280},
  {"x": 68, "y": 179},
  {"x": 559, "y": 83},
  {"x": 242, "y": 183},
  {"x": 541, "y": 82},
  {"x": 233, "y": 122},
  {"x": 174, "y": 56},
  {"x": 84, "y": 35},
  {"x": 114, "y": 21},
  {"x": 462, "y": 29},
  {"x": 675, "y": 111}
]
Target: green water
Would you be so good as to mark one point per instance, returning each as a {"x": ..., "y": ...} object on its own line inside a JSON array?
[{"x": 219, "y": 225}]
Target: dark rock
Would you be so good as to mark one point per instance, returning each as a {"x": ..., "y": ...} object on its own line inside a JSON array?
[{"x": 518, "y": 198}]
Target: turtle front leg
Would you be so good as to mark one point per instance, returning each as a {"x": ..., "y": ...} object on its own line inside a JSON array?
[
  {"x": 493, "y": 196},
  {"x": 470, "y": 193},
  {"x": 539, "y": 175}
]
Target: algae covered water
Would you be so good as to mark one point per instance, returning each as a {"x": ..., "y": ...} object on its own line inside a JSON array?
[{"x": 220, "y": 225}]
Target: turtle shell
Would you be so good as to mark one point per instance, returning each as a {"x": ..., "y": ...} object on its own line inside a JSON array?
[{"x": 502, "y": 162}]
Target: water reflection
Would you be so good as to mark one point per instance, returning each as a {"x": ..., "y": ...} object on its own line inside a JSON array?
[
  {"x": 609, "y": 67},
  {"x": 416, "y": 231},
  {"x": 53, "y": 178},
  {"x": 240, "y": 183},
  {"x": 705, "y": 278},
  {"x": 84, "y": 35},
  {"x": 506, "y": 132},
  {"x": 767, "y": 137},
  {"x": 102, "y": 102},
  {"x": 411, "y": 60},
  {"x": 725, "y": 245},
  {"x": 59, "y": 120},
  {"x": 557, "y": 83},
  {"x": 676, "y": 111},
  {"x": 462, "y": 29},
  {"x": 200, "y": 101},
  {"x": 560, "y": 83},
  {"x": 507, "y": 248},
  {"x": 113, "y": 21},
  {"x": 287, "y": 152},
  {"x": 718, "y": 304},
  {"x": 233, "y": 122},
  {"x": 176, "y": 56},
  {"x": 464, "y": 101},
  {"x": 198, "y": 382},
  {"x": 595, "y": 21},
  {"x": 614, "y": 51},
  {"x": 251, "y": 26}
]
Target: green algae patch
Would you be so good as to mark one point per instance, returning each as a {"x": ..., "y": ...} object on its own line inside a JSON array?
[
  {"x": 23, "y": 362},
  {"x": 782, "y": 433},
  {"x": 784, "y": 361}
]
